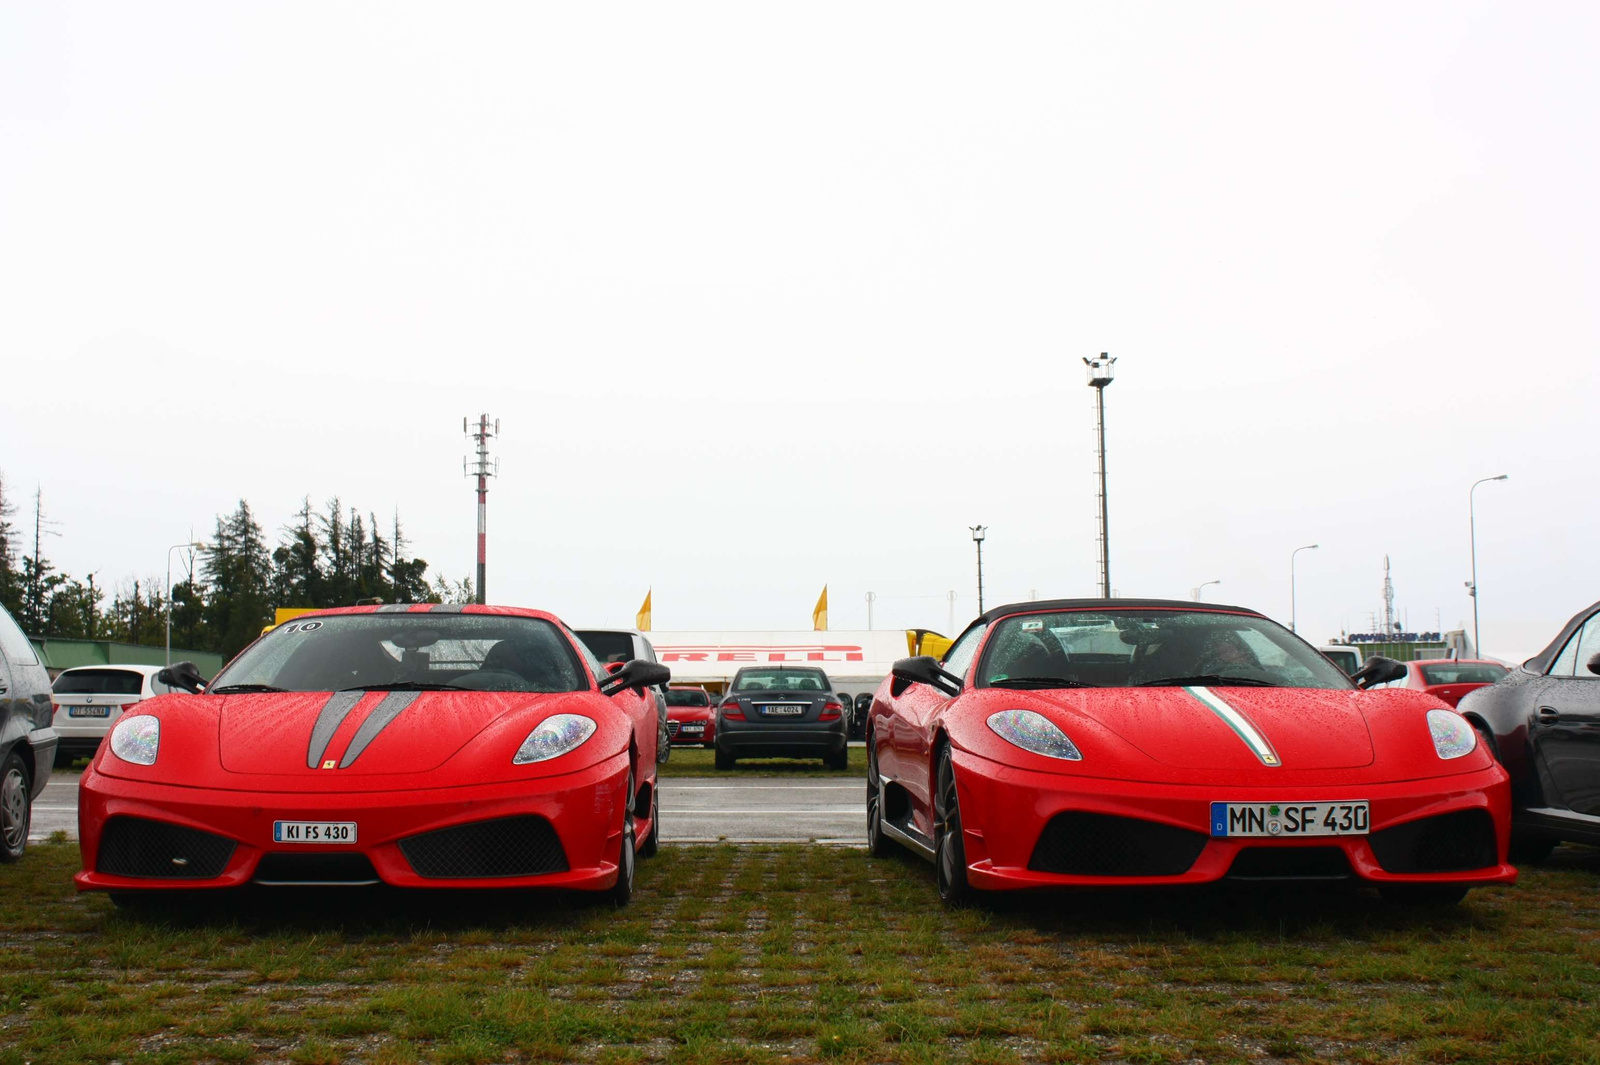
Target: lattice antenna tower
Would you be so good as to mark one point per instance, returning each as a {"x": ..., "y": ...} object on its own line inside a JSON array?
[
  {"x": 1388, "y": 598},
  {"x": 479, "y": 465}
]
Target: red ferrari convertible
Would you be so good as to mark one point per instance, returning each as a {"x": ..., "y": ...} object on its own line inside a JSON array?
[
  {"x": 1142, "y": 742},
  {"x": 418, "y": 746}
]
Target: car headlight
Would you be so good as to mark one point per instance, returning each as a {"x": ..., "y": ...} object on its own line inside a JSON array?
[
  {"x": 555, "y": 736},
  {"x": 137, "y": 739},
  {"x": 1452, "y": 736},
  {"x": 1034, "y": 732}
]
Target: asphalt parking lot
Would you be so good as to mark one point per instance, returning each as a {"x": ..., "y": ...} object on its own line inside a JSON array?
[{"x": 693, "y": 810}]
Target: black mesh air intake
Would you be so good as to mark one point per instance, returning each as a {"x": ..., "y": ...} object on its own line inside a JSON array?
[
  {"x": 509, "y": 846},
  {"x": 1444, "y": 844},
  {"x": 133, "y": 846},
  {"x": 1290, "y": 863},
  {"x": 338, "y": 867},
  {"x": 1086, "y": 844}
]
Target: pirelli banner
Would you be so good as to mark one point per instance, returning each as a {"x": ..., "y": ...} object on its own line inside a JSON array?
[{"x": 857, "y": 660}]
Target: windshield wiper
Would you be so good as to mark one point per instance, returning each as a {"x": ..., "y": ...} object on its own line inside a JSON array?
[
  {"x": 233, "y": 689},
  {"x": 407, "y": 686},
  {"x": 1040, "y": 682},
  {"x": 1209, "y": 679}
]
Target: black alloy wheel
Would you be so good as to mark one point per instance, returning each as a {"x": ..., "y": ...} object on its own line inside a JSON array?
[
  {"x": 878, "y": 845},
  {"x": 839, "y": 759},
  {"x": 16, "y": 809},
  {"x": 725, "y": 759},
  {"x": 949, "y": 855},
  {"x": 622, "y": 890}
]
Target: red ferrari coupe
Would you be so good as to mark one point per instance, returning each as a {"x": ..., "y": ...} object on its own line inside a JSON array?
[
  {"x": 418, "y": 746},
  {"x": 1141, "y": 742}
]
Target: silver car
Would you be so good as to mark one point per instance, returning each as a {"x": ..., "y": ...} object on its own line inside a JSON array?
[
  {"x": 27, "y": 742},
  {"x": 90, "y": 699}
]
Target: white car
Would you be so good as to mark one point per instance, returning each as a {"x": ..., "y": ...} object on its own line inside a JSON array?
[{"x": 88, "y": 700}]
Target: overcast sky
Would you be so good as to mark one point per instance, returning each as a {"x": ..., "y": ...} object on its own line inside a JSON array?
[{"x": 771, "y": 297}]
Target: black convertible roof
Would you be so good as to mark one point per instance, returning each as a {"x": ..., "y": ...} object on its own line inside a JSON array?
[{"x": 1108, "y": 604}]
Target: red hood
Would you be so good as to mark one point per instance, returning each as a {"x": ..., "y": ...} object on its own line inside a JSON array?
[
  {"x": 376, "y": 732},
  {"x": 1306, "y": 728}
]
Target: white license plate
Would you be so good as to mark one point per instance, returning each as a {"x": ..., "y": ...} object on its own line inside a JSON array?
[
  {"x": 784, "y": 711},
  {"x": 313, "y": 831},
  {"x": 88, "y": 711},
  {"x": 694, "y": 728},
  {"x": 1291, "y": 819}
]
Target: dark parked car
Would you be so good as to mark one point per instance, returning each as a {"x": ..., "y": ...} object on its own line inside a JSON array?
[
  {"x": 1543, "y": 722},
  {"x": 27, "y": 741},
  {"x": 781, "y": 712},
  {"x": 858, "y": 723}
]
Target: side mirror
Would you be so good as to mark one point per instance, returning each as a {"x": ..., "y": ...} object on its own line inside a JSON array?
[
  {"x": 923, "y": 669},
  {"x": 183, "y": 675},
  {"x": 1594, "y": 662},
  {"x": 637, "y": 675},
  {"x": 1378, "y": 670}
]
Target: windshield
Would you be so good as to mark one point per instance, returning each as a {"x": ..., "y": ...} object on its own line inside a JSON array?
[
  {"x": 475, "y": 652},
  {"x": 1129, "y": 648},
  {"x": 608, "y": 647},
  {"x": 679, "y": 698},
  {"x": 788, "y": 680},
  {"x": 98, "y": 682},
  {"x": 1463, "y": 673}
]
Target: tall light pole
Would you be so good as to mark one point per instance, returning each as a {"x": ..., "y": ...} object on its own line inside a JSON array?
[
  {"x": 195, "y": 546},
  {"x": 1296, "y": 551},
  {"x": 1200, "y": 590},
  {"x": 1100, "y": 373},
  {"x": 1472, "y": 531},
  {"x": 480, "y": 466},
  {"x": 951, "y": 595},
  {"x": 870, "y": 597},
  {"x": 977, "y": 538}
]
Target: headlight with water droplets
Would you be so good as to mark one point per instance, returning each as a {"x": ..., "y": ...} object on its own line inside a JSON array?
[
  {"x": 137, "y": 739},
  {"x": 555, "y": 736},
  {"x": 1034, "y": 732},
  {"x": 1452, "y": 736}
]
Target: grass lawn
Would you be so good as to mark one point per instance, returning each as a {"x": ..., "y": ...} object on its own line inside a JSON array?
[
  {"x": 757, "y": 954},
  {"x": 699, "y": 762}
]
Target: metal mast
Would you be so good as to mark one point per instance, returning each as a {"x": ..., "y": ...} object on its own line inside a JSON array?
[
  {"x": 1100, "y": 372},
  {"x": 480, "y": 466},
  {"x": 1388, "y": 598}
]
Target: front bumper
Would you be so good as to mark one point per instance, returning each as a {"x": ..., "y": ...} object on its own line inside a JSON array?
[
  {"x": 585, "y": 808},
  {"x": 786, "y": 739},
  {"x": 1006, "y": 810},
  {"x": 692, "y": 732}
]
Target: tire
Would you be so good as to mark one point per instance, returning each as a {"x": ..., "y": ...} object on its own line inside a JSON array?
[
  {"x": 652, "y": 842},
  {"x": 627, "y": 856},
  {"x": 1419, "y": 895},
  {"x": 16, "y": 807},
  {"x": 725, "y": 759},
  {"x": 1526, "y": 851},
  {"x": 878, "y": 845},
  {"x": 837, "y": 760},
  {"x": 949, "y": 854}
]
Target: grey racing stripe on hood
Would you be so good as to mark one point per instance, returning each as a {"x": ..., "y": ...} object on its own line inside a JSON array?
[
  {"x": 333, "y": 713},
  {"x": 391, "y": 707}
]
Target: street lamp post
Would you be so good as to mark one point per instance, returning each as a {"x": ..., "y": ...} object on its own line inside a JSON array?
[
  {"x": 1100, "y": 373},
  {"x": 195, "y": 546},
  {"x": 977, "y": 538},
  {"x": 1472, "y": 532},
  {"x": 870, "y": 597},
  {"x": 1296, "y": 551},
  {"x": 1199, "y": 592}
]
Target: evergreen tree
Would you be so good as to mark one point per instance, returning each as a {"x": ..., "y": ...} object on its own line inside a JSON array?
[
  {"x": 239, "y": 577},
  {"x": 297, "y": 577}
]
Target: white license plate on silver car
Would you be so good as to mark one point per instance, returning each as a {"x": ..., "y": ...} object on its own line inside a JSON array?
[
  {"x": 784, "y": 711},
  {"x": 88, "y": 711},
  {"x": 313, "y": 831},
  {"x": 1290, "y": 819}
]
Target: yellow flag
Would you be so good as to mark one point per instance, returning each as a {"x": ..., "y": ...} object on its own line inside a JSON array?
[
  {"x": 642, "y": 622},
  {"x": 819, "y": 616}
]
